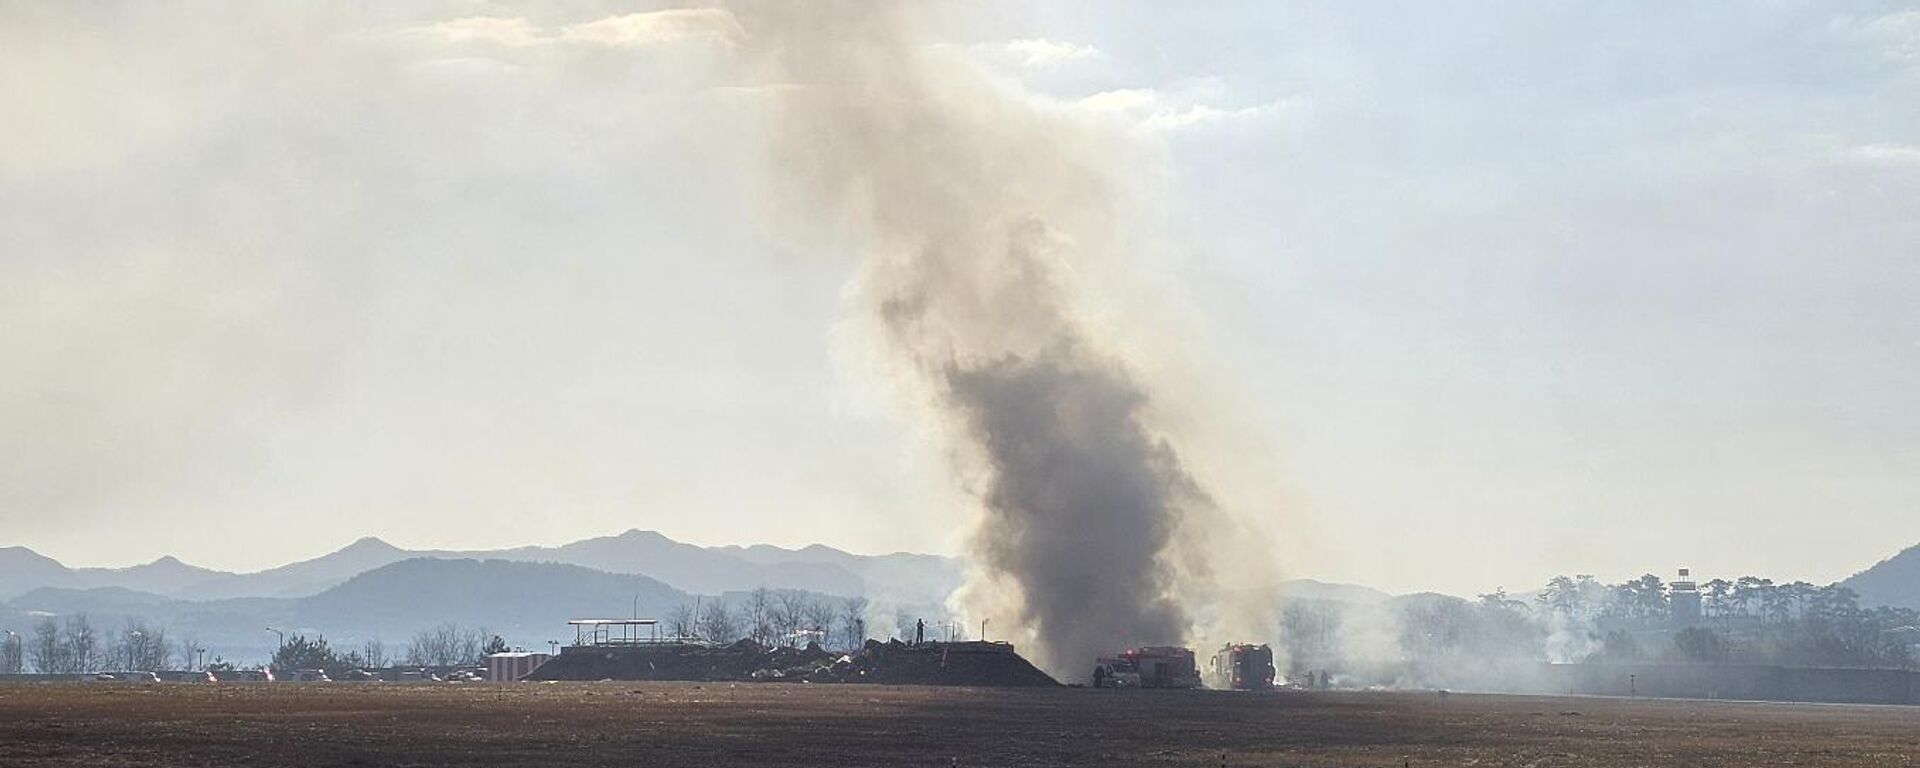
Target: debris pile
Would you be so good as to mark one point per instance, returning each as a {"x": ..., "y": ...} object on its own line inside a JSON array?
[{"x": 889, "y": 663}]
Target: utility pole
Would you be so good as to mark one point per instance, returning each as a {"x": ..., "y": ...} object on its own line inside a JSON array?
[
  {"x": 283, "y": 644},
  {"x": 983, "y": 630}
]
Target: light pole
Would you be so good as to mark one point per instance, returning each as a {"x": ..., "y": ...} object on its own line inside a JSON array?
[
  {"x": 283, "y": 643},
  {"x": 203, "y": 657},
  {"x": 554, "y": 646},
  {"x": 983, "y": 629}
]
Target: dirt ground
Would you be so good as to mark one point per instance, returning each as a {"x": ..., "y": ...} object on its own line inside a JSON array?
[{"x": 695, "y": 724}]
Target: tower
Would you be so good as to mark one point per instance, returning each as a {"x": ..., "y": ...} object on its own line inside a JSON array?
[{"x": 1685, "y": 600}]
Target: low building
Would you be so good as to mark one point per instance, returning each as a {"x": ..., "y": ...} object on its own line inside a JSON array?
[{"x": 513, "y": 665}]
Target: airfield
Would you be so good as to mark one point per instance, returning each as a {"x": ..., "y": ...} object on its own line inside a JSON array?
[{"x": 707, "y": 724}]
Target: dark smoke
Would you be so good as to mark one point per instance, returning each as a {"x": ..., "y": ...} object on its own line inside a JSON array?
[
  {"x": 976, "y": 209},
  {"x": 1082, "y": 504}
]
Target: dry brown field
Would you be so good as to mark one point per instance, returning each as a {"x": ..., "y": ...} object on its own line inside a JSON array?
[{"x": 693, "y": 724}]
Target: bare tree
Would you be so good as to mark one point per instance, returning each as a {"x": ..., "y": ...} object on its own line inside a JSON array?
[
  {"x": 82, "y": 647},
  {"x": 789, "y": 610},
  {"x": 718, "y": 625},
  {"x": 373, "y": 654},
  {"x": 681, "y": 621},
  {"x": 435, "y": 647},
  {"x": 853, "y": 622},
  {"x": 188, "y": 652},
  {"x": 818, "y": 617},
  {"x": 758, "y": 616},
  {"x": 12, "y": 655},
  {"x": 138, "y": 647},
  {"x": 48, "y": 652}
]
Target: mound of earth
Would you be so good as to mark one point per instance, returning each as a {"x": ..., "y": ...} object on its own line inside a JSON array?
[{"x": 890, "y": 663}]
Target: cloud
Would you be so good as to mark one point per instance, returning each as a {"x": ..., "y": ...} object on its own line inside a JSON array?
[
  {"x": 484, "y": 29},
  {"x": 1903, "y": 29},
  {"x": 1039, "y": 53},
  {"x": 1123, "y": 100},
  {"x": 1153, "y": 112},
  {"x": 626, "y": 31},
  {"x": 1901, "y": 155},
  {"x": 638, "y": 29}
]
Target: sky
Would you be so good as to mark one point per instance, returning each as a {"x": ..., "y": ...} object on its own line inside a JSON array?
[{"x": 1496, "y": 291}]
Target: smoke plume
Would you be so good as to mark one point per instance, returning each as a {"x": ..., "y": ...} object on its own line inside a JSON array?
[{"x": 976, "y": 207}]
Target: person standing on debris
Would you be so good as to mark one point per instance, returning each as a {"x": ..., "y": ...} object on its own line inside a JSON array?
[{"x": 919, "y": 631}]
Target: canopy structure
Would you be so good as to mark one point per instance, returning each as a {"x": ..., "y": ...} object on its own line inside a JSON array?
[{"x": 615, "y": 631}]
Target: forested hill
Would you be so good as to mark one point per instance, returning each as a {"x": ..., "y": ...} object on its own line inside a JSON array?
[{"x": 1894, "y": 581}]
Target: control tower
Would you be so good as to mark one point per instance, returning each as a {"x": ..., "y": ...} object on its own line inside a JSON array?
[{"x": 1685, "y": 600}]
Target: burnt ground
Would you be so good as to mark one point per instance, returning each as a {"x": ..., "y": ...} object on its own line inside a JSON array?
[{"x": 728, "y": 724}]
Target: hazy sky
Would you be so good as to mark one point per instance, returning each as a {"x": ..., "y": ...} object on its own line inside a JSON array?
[{"x": 1506, "y": 290}]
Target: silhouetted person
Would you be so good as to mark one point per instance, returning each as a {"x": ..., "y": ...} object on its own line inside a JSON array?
[{"x": 919, "y": 631}]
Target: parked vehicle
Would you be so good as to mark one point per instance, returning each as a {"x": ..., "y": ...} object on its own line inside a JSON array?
[
  {"x": 1148, "y": 667},
  {"x": 1242, "y": 667}
]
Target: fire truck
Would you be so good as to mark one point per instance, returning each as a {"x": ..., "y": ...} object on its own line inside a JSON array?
[
  {"x": 1241, "y": 667},
  {"x": 1148, "y": 667}
]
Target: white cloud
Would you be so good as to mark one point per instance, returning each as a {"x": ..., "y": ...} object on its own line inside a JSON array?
[
  {"x": 637, "y": 29},
  {"x": 629, "y": 30},
  {"x": 1153, "y": 112},
  {"x": 1038, "y": 53},
  {"x": 1123, "y": 100},
  {"x": 485, "y": 29},
  {"x": 1203, "y": 115},
  {"x": 1889, "y": 154},
  {"x": 1899, "y": 35}
]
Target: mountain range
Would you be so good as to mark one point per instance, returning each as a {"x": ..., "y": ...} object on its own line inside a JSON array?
[
  {"x": 899, "y": 577},
  {"x": 373, "y": 590}
]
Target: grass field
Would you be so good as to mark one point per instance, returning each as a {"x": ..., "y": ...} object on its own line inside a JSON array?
[{"x": 692, "y": 724}]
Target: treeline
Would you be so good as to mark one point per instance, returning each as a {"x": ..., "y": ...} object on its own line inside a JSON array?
[
  {"x": 75, "y": 646},
  {"x": 1749, "y": 620},
  {"x": 1745, "y": 620},
  {"x": 445, "y": 645},
  {"x": 772, "y": 618}
]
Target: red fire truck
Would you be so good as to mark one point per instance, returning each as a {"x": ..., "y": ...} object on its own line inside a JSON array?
[{"x": 1241, "y": 667}]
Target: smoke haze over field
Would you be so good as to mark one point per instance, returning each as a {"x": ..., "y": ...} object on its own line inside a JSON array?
[{"x": 976, "y": 209}]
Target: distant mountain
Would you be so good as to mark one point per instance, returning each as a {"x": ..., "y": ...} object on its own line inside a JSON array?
[
  {"x": 686, "y": 566},
  {"x": 530, "y": 602},
  {"x": 900, "y": 578},
  {"x": 23, "y": 570},
  {"x": 527, "y": 603},
  {"x": 896, "y": 579},
  {"x": 306, "y": 577},
  {"x": 1894, "y": 581}
]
